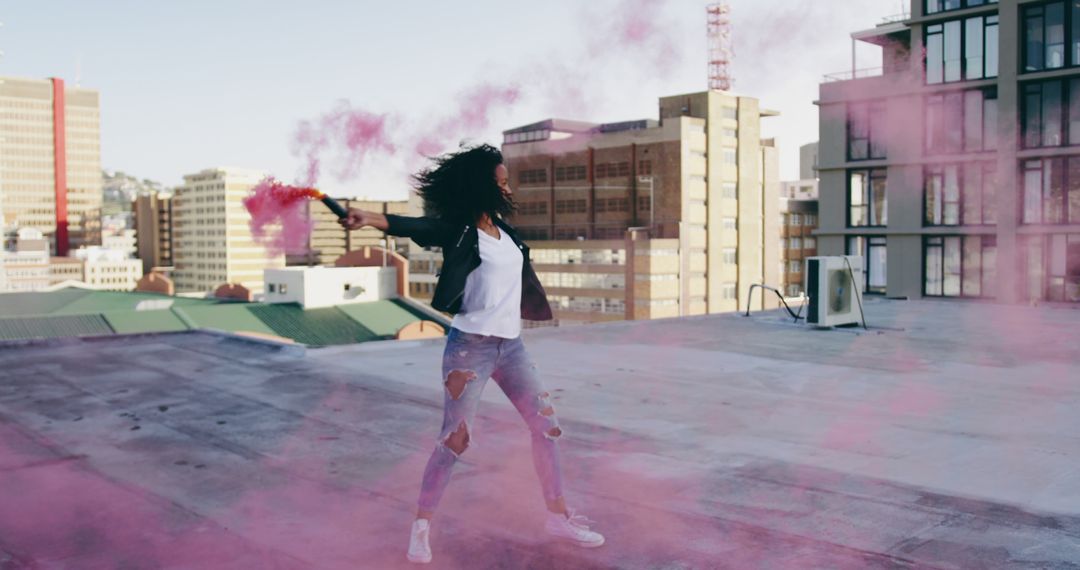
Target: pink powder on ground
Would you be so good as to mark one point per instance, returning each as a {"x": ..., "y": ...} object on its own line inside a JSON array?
[{"x": 279, "y": 220}]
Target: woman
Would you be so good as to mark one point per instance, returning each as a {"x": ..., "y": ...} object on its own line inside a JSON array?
[{"x": 488, "y": 284}]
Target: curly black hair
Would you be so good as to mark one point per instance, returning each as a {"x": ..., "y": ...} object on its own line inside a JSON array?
[{"x": 461, "y": 185}]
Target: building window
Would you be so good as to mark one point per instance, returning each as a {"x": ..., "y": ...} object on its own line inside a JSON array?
[
  {"x": 729, "y": 223},
  {"x": 794, "y": 266},
  {"x": 727, "y": 291},
  {"x": 866, "y": 130},
  {"x": 730, "y": 255},
  {"x": 730, "y": 156},
  {"x": 1051, "y": 193},
  {"x": 962, "y": 121},
  {"x": 730, "y": 113},
  {"x": 873, "y": 252},
  {"x": 809, "y": 243},
  {"x": 956, "y": 266},
  {"x": 962, "y": 49},
  {"x": 935, "y": 6},
  {"x": 960, "y": 194},
  {"x": 1051, "y": 113},
  {"x": 867, "y": 202},
  {"x": 570, "y": 206},
  {"x": 644, "y": 168},
  {"x": 794, "y": 220},
  {"x": 1051, "y": 36},
  {"x": 730, "y": 190},
  {"x": 796, "y": 243},
  {"x": 783, "y": 245},
  {"x": 810, "y": 220},
  {"x": 570, "y": 173},
  {"x": 283, "y": 288},
  {"x": 532, "y": 208},
  {"x": 271, "y": 288},
  {"x": 613, "y": 169},
  {"x": 1053, "y": 267},
  {"x": 534, "y": 176}
]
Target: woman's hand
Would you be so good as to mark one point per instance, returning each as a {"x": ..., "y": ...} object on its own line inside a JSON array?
[{"x": 359, "y": 218}]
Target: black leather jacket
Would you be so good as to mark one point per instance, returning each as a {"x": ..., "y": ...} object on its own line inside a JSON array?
[{"x": 461, "y": 254}]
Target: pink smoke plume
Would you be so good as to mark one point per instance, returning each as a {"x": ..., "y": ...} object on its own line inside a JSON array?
[
  {"x": 473, "y": 114},
  {"x": 348, "y": 137},
  {"x": 279, "y": 220},
  {"x": 344, "y": 135},
  {"x": 638, "y": 25}
]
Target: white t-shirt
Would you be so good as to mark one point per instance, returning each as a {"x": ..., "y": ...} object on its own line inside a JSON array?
[{"x": 492, "y": 302}]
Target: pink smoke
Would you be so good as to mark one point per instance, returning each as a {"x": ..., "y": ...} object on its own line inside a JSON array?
[
  {"x": 279, "y": 220},
  {"x": 474, "y": 111},
  {"x": 346, "y": 136},
  {"x": 638, "y": 25}
]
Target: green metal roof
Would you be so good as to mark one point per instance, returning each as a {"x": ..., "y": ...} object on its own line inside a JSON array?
[
  {"x": 38, "y": 303},
  {"x": 102, "y": 301},
  {"x": 384, "y": 318},
  {"x": 232, "y": 317},
  {"x": 78, "y": 312},
  {"x": 313, "y": 327},
  {"x": 128, "y": 322},
  {"x": 22, "y": 328}
]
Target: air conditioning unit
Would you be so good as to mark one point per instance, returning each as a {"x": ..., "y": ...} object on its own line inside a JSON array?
[{"x": 834, "y": 285}]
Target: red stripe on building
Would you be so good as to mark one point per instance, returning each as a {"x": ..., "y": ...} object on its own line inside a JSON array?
[{"x": 60, "y": 167}]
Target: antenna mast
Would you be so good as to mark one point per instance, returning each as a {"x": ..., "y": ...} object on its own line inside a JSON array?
[{"x": 720, "y": 46}]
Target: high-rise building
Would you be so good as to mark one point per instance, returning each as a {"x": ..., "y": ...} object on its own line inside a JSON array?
[
  {"x": 330, "y": 241},
  {"x": 153, "y": 230},
  {"x": 212, "y": 240},
  {"x": 955, "y": 170},
  {"x": 798, "y": 221},
  {"x": 689, "y": 198},
  {"x": 50, "y": 155}
]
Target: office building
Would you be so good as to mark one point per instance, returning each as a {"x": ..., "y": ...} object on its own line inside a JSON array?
[
  {"x": 689, "y": 198},
  {"x": 960, "y": 177},
  {"x": 153, "y": 230},
  {"x": 798, "y": 222},
  {"x": 50, "y": 155},
  {"x": 212, "y": 240}
]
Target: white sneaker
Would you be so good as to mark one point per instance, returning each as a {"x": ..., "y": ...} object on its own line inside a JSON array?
[
  {"x": 419, "y": 549},
  {"x": 574, "y": 528}
]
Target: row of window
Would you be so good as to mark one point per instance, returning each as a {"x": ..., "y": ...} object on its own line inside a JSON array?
[
  {"x": 960, "y": 50},
  {"x": 960, "y": 121},
  {"x": 966, "y": 266},
  {"x": 532, "y": 208},
  {"x": 572, "y": 173},
  {"x": 798, "y": 219},
  {"x": 533, "y": 176},
  {"x": 583, "y": 280},
  {"x": 588, "y": 304},
  {"x": 612, "y": 205},
  {"x": 798, "y": 243},
  {"x": 968, "y": 48},
  {"x": 966, "y": 194}
]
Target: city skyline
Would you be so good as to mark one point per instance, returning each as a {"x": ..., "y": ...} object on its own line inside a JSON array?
[{"x": 234, "y": 89}]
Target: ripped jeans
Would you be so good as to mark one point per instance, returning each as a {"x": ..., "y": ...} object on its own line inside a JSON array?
[{"x": 468, "y": 361}]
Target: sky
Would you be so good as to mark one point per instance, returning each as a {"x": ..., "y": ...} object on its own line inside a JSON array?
[{"x": 197, "y": 84}]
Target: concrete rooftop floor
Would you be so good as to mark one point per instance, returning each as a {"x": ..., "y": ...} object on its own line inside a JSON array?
[{"x": 947, "y": 437}]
